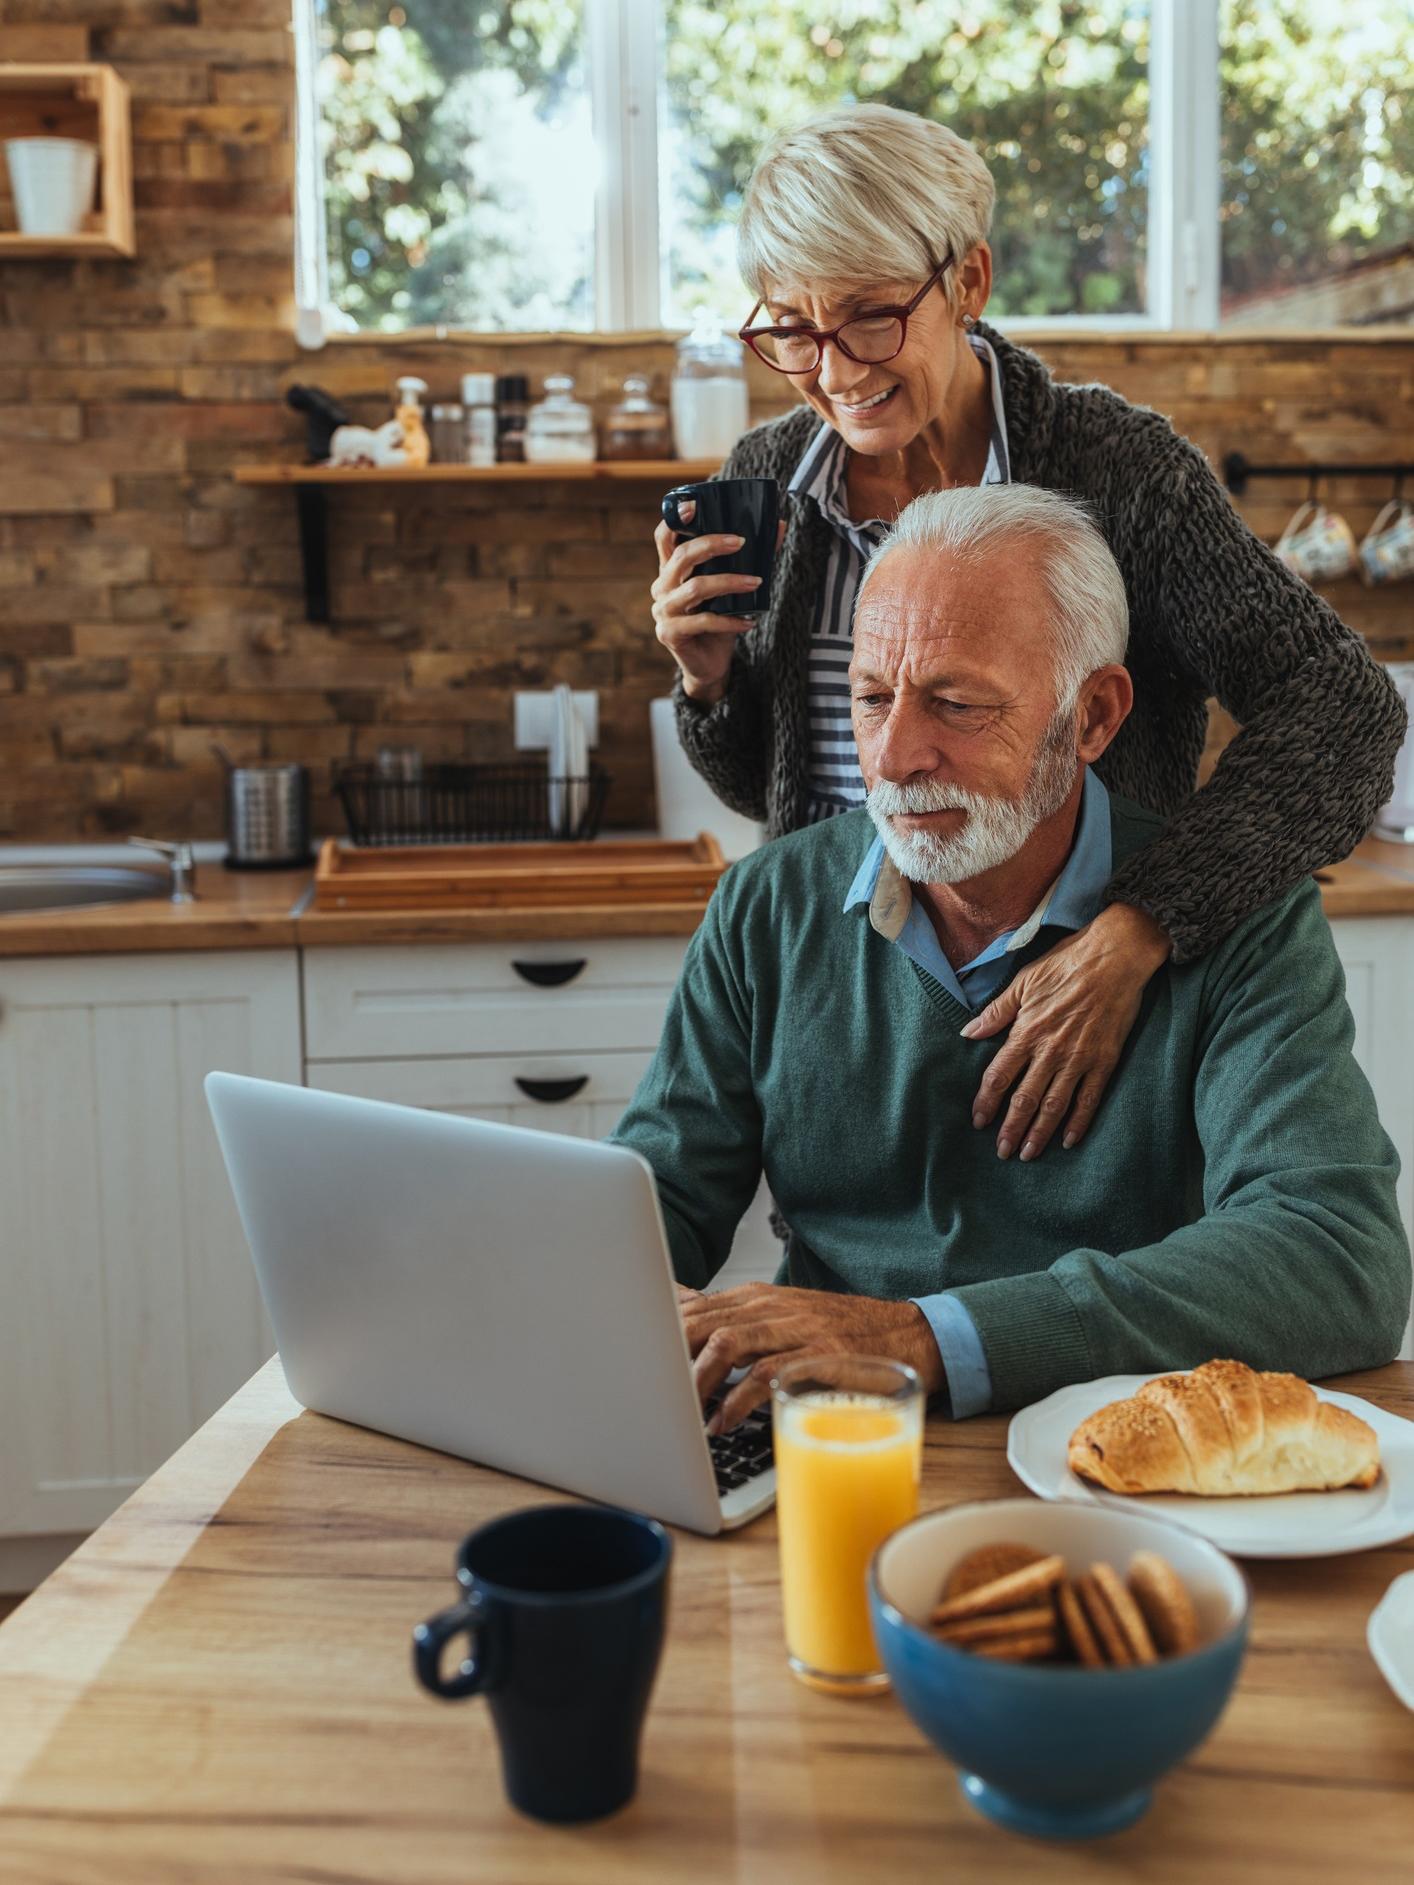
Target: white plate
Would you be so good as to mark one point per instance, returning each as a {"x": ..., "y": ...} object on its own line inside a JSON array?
[
  {"x": 1282, "y": 1525},
  {"x": 1390, "y": 1634}
]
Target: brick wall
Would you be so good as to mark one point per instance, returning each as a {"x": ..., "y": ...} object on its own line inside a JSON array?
[{"x": 150, "y": 606}]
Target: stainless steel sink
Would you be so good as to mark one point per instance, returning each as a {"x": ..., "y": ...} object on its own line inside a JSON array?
[{"x": 72, "y": 886}]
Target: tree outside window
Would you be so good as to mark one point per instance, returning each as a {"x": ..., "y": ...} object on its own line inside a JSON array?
[{"x": 460, "y": 162}]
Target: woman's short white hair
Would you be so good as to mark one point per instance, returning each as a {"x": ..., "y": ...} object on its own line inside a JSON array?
[
  {"x": 1090, "y": 615},
  {"x": 858, "y": 195}
]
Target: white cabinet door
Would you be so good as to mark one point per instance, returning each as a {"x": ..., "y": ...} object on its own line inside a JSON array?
[
  {"x": 488, "y": 998},
  {"x": 1377, "y": 953},
  {"x": 578, "y": 1094},
  {"x": 130, "y": 1308}
]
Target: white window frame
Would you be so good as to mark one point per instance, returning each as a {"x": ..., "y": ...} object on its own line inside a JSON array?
[{"x": 625, "y": 64}]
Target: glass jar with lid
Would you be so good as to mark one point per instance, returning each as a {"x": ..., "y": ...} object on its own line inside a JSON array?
[
  {"x": 448, "y": 434},
  {"x": 560, "y": 430},
  {"x": 709, "y": 402},
  {"x": 637, "y": 427}
]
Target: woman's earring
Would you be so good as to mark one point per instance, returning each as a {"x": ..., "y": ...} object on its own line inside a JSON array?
[{"x": 969, "y": 321}]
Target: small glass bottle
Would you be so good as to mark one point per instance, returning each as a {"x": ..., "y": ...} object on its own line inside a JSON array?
[
  {"x": 479, "y": 401},
  {"x": 448, "y": 434},
  {"x": 637, "y": 427},
  {"x": 512, "y": 398},
  {"x": 560, "y": 430}
]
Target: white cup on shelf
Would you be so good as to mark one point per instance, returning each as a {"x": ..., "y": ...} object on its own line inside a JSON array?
[{"x": 52, "y": 179}]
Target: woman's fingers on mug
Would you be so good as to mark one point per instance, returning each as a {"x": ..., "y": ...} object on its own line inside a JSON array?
[
  {"x": 678, "y": 555},
  {"x": 699, "y": 589},
  {"x": 694, "y": 550}
]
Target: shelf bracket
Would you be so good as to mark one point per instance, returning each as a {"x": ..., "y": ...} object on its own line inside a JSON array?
[{"x": 313, "y": 510}]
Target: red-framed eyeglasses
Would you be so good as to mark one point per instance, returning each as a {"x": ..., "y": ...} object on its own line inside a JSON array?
[{"x": 876, "y": 335}]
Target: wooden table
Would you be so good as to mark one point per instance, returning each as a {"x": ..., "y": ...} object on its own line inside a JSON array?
[{"x": 216, "y": 1687}]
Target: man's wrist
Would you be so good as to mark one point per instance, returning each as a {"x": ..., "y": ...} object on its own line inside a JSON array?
[{"x": 923, "y": 1356}]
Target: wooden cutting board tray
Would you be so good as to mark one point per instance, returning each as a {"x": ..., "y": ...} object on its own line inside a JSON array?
[{"x": 601, "y": 873}]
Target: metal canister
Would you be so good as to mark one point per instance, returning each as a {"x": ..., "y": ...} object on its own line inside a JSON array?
[{"x": 267, "y": 817}]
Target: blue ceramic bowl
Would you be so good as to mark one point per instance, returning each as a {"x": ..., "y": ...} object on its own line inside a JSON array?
[{"x": 1059, "y": 1751}]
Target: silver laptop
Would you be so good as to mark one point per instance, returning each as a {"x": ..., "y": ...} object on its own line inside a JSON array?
[{"x": 494, "y": 1292}]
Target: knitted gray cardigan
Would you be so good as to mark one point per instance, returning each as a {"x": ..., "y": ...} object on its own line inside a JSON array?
[{"x": 1212, "y": 612}]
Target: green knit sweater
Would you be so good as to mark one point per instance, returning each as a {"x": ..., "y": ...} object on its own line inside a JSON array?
[{"x": 1234, "y": 1196}]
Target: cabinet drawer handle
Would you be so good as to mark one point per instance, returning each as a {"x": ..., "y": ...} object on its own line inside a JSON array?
[
  {"x": 548, "y": 974},
  {"x": 551, "y": 1092}
]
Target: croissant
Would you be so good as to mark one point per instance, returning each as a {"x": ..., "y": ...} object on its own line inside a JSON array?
[{"x": 1224, "y": 1430}]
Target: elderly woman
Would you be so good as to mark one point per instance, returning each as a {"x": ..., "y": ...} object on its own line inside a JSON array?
[{"x": 863, "y": 235}]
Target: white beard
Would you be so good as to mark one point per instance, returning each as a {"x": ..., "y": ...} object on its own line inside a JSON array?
[{"x": 996, "y": 828}]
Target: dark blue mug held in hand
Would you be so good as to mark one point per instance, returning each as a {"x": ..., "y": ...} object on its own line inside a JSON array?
[
  {"x": 738, "y": 507},
  {"x": 565, "y": 1607}
]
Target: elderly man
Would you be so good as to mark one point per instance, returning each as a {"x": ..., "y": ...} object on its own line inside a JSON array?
[{"x": 1235, "y": 1196}]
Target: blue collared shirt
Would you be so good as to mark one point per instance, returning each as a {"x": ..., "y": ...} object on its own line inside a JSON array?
[{"x": 1070, "y": 903}]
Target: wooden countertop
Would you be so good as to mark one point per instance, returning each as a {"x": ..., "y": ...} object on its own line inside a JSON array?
[
  {"x": 233, "y": 910},
  {"x": 217, "y": 1686},
  {"x": 263, "y": 910}
]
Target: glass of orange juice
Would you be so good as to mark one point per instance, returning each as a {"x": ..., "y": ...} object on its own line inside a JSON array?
[{"x": 848, "y": 1433}]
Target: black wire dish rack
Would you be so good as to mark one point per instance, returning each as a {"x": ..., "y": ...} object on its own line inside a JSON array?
[{"x": 461, "y": 804}]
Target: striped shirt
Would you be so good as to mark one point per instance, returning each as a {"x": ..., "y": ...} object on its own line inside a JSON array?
[{"x": 834, "y": 782}]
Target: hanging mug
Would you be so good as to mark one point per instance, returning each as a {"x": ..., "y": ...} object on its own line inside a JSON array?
[
  {"x": 1387, "y": 553},
  {"x": 1317, "y": 545}
]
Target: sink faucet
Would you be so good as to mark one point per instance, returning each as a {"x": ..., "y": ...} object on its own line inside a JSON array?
[{"x": 183, "y": 867}]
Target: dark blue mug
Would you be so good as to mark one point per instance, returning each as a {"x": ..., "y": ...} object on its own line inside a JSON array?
[
  {"x": 734, "y": 507},
  {"x": 565, "y": 1607}
]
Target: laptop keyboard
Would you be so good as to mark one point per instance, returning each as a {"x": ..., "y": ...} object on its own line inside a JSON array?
[{"x": 745, "y": 1452}]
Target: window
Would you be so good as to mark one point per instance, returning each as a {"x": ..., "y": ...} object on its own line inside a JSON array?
[
  {"x": 458, "y": 163},
  {"x": 570, "y": 164},
  {"x": 1054, "y": 97},
  {"x": 1317, "y": 212}
]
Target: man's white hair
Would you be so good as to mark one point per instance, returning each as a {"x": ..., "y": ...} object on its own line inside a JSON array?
[
  {"x": 1089, "y": 607},
  {"x": 860, "y": 195}
]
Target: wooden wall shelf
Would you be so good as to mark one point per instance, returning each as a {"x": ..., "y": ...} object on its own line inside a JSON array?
[
  {"x": 669, "y": 470},
  {"x": 85, "y": 101},
  {"x": 311, "y": 485}
]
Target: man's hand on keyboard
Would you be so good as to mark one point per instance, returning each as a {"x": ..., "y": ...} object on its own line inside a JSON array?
[{"x": 761, "y": 1326}]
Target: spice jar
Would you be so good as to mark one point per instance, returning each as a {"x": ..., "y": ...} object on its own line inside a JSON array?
[
  {"x": 512, "y": 398},
  {"x": 560, "y": 430},
  {"x": 637, "y": 427},
  {"x": 479, "y": 400},
  {"x": 448, "y": 434}
]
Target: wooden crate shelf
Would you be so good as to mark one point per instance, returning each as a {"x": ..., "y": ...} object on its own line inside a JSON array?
[{"x": 84, "y": 101}]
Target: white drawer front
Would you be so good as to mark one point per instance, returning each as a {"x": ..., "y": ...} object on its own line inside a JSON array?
[
  {"x": 580, "y": 1094},
  {"x": 484, "y": 998}
]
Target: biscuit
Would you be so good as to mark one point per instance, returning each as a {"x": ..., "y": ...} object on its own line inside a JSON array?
[
  {"x": 1101, "y": 1620},
  {"x": 1166, "y": 1606},
  {"x": 1078, "y": 1632},
  {"x": 970, "y": 1630},
  {"x": 1016, "y": 1648},
  {"x": 1126, "y": 1613},
  {"x": 986, "y": 1565},
  {"x": 1011, "y": 1592}
]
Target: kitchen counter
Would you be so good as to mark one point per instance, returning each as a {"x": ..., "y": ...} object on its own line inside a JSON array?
[
  {"x": 233, "y": 910},
  {"x": 267, "y": 910},
  {"x": 217, "y": 1686}
]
